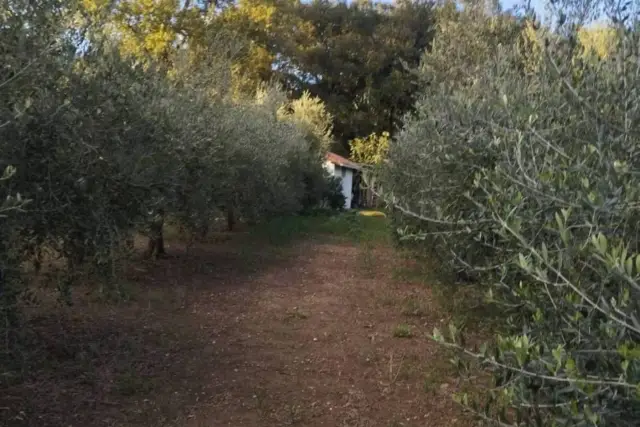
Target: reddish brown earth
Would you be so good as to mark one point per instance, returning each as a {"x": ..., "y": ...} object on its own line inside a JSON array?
[{"x": 230, "y": 335}]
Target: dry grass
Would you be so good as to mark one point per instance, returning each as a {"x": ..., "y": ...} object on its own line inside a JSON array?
[{"x": 240, "y": 334}]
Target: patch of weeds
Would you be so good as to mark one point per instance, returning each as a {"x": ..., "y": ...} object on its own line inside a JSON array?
[
  {"x": 346, "y": 225},
  {"x": 402, "y": 331},
  {"x": 251, "y": 257},
  {"x": 374, "y": 229},
  {"x": 407, "y": 367},
  {"x": 433, "y": 382},
  {"x": 281, "y": 231},
  {"x": 468, "y": 307},
  {"x": 369, "y": 357},
  {"x": 429, "y": 386},
  {"x": 130, "y": 383},
  {"x": 367, "y": 259},
  {"x": 292, "y": 415},
  {"x": 440, "y": 371},
  {"x": 260, "y": 396},
  {"x": 414, "y": 268},
  {"x": 296, "y": 314},
  {"x": 410, "y": 274},
  {"x": 464, "y": 302},
  {"x": 386, "y": 298},
  {"x": 412, "y": 306}
]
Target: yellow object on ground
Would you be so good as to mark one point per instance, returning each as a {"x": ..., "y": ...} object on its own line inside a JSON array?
[{"x": 371, "y": 213}]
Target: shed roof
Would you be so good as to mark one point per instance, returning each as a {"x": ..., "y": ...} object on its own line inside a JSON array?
[{"x": 341, "y": 161}]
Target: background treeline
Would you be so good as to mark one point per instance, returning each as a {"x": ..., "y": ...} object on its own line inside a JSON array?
[{"x": 357, "y": 57}]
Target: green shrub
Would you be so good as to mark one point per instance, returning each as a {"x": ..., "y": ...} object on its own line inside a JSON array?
[{"x": 333, "y": 196}]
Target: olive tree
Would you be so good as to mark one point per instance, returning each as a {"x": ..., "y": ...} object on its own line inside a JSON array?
[{"x": 526, "y": 177}]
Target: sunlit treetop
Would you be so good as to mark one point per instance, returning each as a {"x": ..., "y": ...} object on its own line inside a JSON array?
[
  {"x": 600, "y": 41},
  {"x": 147, "y": 29}
]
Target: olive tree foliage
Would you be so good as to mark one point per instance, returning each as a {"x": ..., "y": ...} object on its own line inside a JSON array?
[
  {"x": 310, "y": 115},
  {"x": 527, "y": 178},
  {"x": 464, "y": 42},
  {"x": 101, "y": 146}
]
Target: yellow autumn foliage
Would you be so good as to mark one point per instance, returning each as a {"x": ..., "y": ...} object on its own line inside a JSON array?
[
  {"x": 371, "y": 150},
  {"x": 530, "y": 46},
  {"x": 600, "y": 41}
]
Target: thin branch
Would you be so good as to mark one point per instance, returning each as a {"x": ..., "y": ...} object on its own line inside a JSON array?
[
  {"x": 564, "y": 279},
  {"x": 489, "y": 419},
  {"x": 492, "y": 361},
  {"x": 575, "y": 93},
  {"x": 428, "y": 219},
  {"x": 26, "y": 67}
]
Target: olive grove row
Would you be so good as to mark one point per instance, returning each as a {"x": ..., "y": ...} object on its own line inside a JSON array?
[
  {"x": 95, "y": 147},
  {"x": 521, "y": 169}
]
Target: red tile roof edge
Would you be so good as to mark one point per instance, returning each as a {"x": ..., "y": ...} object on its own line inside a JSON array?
[{"x": 341, "y": 161}]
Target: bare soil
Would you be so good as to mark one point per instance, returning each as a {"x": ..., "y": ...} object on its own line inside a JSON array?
[{"x": 321, "y": 333}]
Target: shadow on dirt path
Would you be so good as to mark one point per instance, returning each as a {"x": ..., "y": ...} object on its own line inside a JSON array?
[{"x": 230, "y": 336}]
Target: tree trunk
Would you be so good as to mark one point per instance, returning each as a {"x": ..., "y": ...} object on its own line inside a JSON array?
[
  {"x": 231, "y": 220},
  {"x": 155, "y": 248},
  {"x": 129, "y": 242},
  {"x": 371, "y": 201},
  {"x": 74, "y": 251},
  {"x": 204, "y": 231}
]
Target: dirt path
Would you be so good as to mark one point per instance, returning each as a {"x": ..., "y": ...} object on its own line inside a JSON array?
[
  {"x": 312, "y": 344},
  {"x": 224, "y": 338}
]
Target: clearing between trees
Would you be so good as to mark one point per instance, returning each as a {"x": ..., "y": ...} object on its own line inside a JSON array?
[{"x": 273, "y": 327}]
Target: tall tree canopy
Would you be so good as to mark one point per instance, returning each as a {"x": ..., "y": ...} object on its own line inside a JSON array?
[{"x": 357, "y": 58}]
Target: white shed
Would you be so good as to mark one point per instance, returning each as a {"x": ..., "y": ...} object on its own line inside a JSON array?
[{"x": 344, "y": 169}]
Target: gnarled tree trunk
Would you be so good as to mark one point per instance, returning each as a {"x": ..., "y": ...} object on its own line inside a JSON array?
[
  {"x": 155, "y": 249},
  {"x": 231, "y": 218}
]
